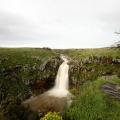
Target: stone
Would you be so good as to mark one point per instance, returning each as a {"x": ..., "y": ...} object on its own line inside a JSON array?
[{"x": 112, "y": 90}]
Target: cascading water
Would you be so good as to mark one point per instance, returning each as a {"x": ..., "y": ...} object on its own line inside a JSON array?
[
  {"x": 61, "y": 83},
  {"x": 56, "y": 97}
]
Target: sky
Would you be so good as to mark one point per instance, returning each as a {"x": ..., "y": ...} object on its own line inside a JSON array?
[{"x": 59, "y": 23}]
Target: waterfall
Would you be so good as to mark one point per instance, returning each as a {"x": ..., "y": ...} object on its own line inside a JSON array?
[
  {"x": 56, "y": 97},
  {"x": 61, "y": 82}
]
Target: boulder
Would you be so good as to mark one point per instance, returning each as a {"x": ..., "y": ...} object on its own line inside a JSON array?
[{"x": 112, "y": 89}]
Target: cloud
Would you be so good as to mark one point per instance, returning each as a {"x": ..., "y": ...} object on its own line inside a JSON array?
[
  {"x": 11, "y": 25},
  {"x": 63, "y": 24}
]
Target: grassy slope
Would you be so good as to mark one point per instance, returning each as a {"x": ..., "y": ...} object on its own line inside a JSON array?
[
  {"x": 12, "y": 82},
  {"x": 23, "y": 56},
  {"x": 93, "y": 104},
  {"x": 81, "y": 54},
  {"x": 77, "y": 54}
]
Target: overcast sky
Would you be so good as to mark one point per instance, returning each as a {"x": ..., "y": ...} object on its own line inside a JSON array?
[{"x": 59, "y": 23}]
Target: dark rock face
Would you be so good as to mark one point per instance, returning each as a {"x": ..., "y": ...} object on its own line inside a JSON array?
[
  {"x": 12, "y": 109},
  {"x": 91, "y": 67},
  {"x": 112, "y": 90},
  {"x": 47, "y": 75},
  {"x": 25, "y": 80}
]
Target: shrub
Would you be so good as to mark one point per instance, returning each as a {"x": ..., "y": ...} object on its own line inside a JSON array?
[
  {"x": 13, "y": 110},
  {"x": 118, "y": 75},
  {"x": 74, "y": 91},
  {"x": 51, "y": 116}
]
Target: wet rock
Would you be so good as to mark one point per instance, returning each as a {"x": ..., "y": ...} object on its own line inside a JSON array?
[
  {"x": 70, "y": 99},
  {"x": 71, "y": 68},
  {"x": 13, "y": 80},
  {"x": 93, "y": 70},
  {"x": 3, "y": 70},
  {"x": 38, "y": 86},
  {"x": 17, "y": 67},
  {"x": 112, "y": 90},
  {"x": 25, "y": 68},
  {"x": 42, "y": 112},
  {"x": 106, "y": 72},
  {"x": 116, "y": 61},
  {"x": 10, "y": 69},
  {"x": 74, "y": 80},
  {"x": 52, "y": 64},
  {"x": 110, "y": 77}
]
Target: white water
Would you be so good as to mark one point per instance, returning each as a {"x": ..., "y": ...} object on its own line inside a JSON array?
[{"x": 61, "y": 82}]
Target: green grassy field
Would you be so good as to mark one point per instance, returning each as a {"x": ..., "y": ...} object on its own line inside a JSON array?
[
  {"x": 22, "y": 69},
  {"x": 22, "y": 56},
  {"x": 93, "y": 104},
  {"x": 33, "y": 56},
  {"x": 77, "y": 54}
]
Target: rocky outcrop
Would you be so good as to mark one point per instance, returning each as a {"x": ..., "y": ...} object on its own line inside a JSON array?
[
  {"x": 112, "y": 89},
  {"x": 91, "y": 67},
  {"x": 26, "y": 80},
  {"x": 22, "y": 81}
]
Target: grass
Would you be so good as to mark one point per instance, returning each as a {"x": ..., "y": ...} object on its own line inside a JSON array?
[
  {"x": 13, "y": 81},
  {"x": 77, "y": 54},
  {"x": 90, "y": 104},
  {"x": 22, "y": 56},
  {"x": 93, "y": 104}
]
